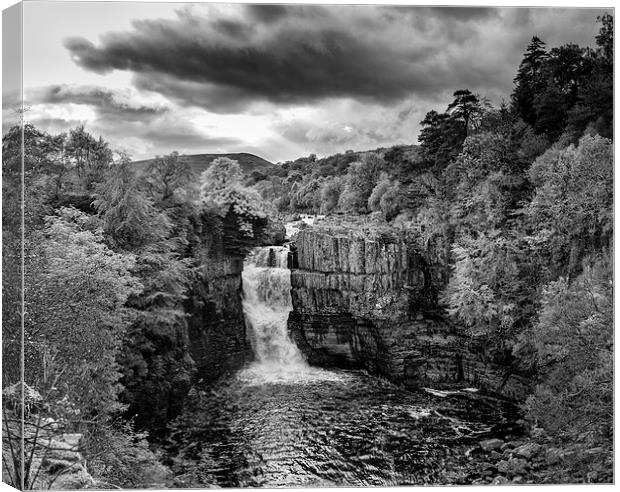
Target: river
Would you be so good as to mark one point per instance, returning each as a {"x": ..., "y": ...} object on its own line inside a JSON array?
[{"x": 280, "y": 422}]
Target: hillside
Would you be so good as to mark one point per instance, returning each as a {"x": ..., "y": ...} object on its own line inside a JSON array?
[{"x": 199, "y": 162}]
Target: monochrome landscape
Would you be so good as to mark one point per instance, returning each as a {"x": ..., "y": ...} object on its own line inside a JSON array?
[{"x": 256, "y": 245}]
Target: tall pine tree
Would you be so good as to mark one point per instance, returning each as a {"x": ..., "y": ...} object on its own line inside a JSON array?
[{"x": 529, "y": 81}]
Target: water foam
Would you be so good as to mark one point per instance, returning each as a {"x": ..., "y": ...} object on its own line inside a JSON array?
[{"x": 266, "y": 305}]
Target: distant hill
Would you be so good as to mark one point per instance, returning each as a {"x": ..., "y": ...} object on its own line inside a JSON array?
[{"x": 200, "y": 162}]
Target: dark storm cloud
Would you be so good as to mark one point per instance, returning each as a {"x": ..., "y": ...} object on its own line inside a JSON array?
[
  {"x": 290, "y": 54},
  {"x": 267, "y": 13},
  {"x": 107, "y": 103},
  {"x": 291, "y": 67},
  {"x": 217, "y": 98}
]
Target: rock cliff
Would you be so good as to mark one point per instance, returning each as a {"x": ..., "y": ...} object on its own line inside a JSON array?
[
  {"x": 217, "y": 334},
  {"x": 370, "y": 300}
]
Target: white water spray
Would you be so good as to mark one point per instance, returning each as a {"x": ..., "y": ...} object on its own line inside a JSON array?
[{"x": 266, "y": 305}]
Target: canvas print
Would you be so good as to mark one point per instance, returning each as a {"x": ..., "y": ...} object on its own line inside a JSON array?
[{"x": 250, "y": 245}]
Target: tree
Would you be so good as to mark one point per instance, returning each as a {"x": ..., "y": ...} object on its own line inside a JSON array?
[
  {"x": 464, "y": 107},
  {"x": 605, "y": 38},
  {"x": 387, "y": 197},
  {"x": 221, "y": 174},
  {"x": 90, "y": 157},
  {"x": 76, "y": 293},
  {"x": 129, "y": 217},
  {"x": 528, "y": 81},
  {"x": 571, "y": 212},
  {"x": 74, "y": 322},
  {"x": 360, "y": 181},
  {"x": 155, "y": 362},
  {"x": 573, "y": 348},
  {"x": 168, "y": 175},
  {"x": 330, "y": 194},
  {"x": 565, "y": 72},
  {"x": 441, "y": 139},
  {"x": 485, "y": 183},
  {"x": 493, "y": 286},
  {"x": 307, "y": 197},
  {"x": 241, "y": 208},
  {"x": 594, "y": 106}
]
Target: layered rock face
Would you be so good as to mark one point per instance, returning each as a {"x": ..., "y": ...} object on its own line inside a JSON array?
[
  {"x": 217, "y": 333},
  {"x": 371, "y": 301},
  {"x": 216, "y": 326}
]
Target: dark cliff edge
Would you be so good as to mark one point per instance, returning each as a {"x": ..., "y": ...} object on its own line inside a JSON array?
[
  {"x": 370, "y": 301},
  {"x": 216, "y": 327},
  {"x": 217, "y": 333}
]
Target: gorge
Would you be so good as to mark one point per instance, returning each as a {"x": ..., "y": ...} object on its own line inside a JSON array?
[
  {"x": 354, "y": 378},
  {"x": 357, "y": 301}
]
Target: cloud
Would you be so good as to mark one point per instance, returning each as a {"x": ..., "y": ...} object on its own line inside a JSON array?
[
  {"x": 302, "y": 54},
  {"x": 285, "y": 65},
  {"x": 115, "y": 104},
  {"x": 215, "y": 98},
  {"x": 464, "y": 14},
  {"x": 342, "y": 125},
  {"x": 289, "y": 80},
  {"x": 268, "y": 13},
  {"x": 130, "y": 120}
]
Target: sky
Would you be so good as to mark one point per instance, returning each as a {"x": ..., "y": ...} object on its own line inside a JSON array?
[{"x": 279, "y": 81}]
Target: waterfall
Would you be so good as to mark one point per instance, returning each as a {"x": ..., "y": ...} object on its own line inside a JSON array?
[{"x": 266, "y": 306}]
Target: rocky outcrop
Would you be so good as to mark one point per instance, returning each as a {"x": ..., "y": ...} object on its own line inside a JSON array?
[
  {"x": 370, "y": 300},
  {"x": 65, "y": 464},
  {"x": 217, "y": 334}
]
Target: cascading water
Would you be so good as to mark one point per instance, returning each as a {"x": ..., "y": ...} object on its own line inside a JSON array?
[{"x": 266, "y": 305}]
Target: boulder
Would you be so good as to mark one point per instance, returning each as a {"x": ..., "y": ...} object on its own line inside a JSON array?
[
  {"x": 527, "y": 450},
  {"x": 512, "y": 466},
  {"x": 554, "y": 456},
  {"x": 507, "y": 446},
  {"x": 61, "y": 453},
  {"x": 74, "y": 478},
  {"x": 538, "y": 433},
  {"x": 491, "y": 444}
]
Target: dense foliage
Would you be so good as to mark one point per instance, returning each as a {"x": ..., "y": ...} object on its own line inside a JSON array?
[{"x": 109, "y": 262}]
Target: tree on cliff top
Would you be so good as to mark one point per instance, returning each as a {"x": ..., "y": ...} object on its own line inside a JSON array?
[{"x": 221, "y": 191}]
